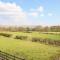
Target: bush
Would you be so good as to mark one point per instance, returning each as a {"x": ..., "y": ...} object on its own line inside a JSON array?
[
  {"x": 27, "y": 31},
  {"x": 4, "y": 34},
  {"x": 46, "y": 41},
  {"x": 21, "y": 37},
  {"x": 35, "y": 39},
  {"x": 41, "y": 40}
]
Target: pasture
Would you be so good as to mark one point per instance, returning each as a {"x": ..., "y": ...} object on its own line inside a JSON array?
[
  {"x": 53, "y": 35},
  {"x": 29, "y": 50}
]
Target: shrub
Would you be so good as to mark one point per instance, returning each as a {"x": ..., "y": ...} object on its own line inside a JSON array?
[
  {"x": 5, "y": 34},
  {"x": 46, "y": 41},
  {"x": 21, "y": 37},
  {"x": 35, "y": 39}
]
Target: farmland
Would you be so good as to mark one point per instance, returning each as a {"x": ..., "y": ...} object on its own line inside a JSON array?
[
  {"x": 55, "y": 35},
  {"x": 30, "y": 50},
  {"x": 29, "y": 30}
]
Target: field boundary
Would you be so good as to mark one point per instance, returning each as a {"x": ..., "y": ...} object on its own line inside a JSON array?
[
  {"x": 7, "y": 56},
  {"x": 47, "y": 41}
]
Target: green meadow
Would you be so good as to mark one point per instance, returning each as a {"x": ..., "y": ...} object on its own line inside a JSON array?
[
  {"x": 28, "y": 49},
  {"x": 54, "y": 36}
]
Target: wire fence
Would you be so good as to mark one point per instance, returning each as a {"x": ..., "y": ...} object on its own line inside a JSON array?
[{"x": 7, "y": 56}]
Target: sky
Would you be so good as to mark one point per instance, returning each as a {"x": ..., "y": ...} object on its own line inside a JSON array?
[{"x": 30, "y": 12}]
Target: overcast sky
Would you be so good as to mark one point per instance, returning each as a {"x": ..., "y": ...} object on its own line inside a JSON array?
[{"x": 30, "y": 12}]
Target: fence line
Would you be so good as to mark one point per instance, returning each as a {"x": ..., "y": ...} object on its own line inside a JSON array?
[{"x": 7, "y": 56}]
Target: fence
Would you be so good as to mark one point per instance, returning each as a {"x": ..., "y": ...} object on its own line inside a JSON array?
[{"x": 6, "y": 56}]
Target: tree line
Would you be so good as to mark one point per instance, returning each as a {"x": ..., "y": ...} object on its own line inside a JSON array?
[{"x": 29, "y": 29}]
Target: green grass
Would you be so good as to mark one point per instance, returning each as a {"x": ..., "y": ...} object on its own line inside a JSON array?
[
  {"x": 37, "y": 34},
  {"x": 28, "y": 50}
]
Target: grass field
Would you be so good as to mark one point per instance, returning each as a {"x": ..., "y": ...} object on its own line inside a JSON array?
[
  {"x": 30, "y": 50},
  {"x": 37, "y": 34}
]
